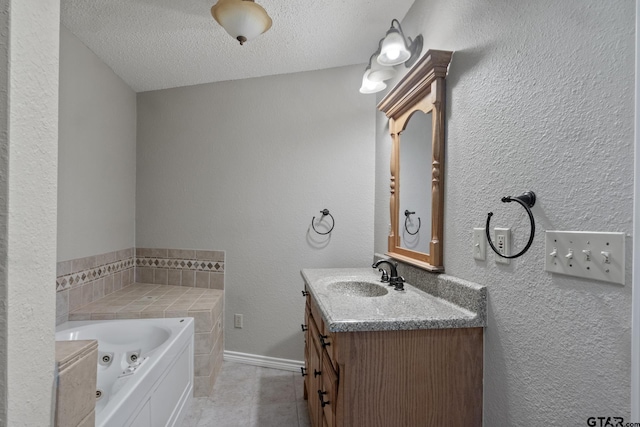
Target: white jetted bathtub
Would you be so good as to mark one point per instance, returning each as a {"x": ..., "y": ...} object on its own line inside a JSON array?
[{"x": 145, "y": 369}]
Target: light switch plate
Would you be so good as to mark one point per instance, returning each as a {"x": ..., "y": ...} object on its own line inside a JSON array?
[
  {"x": 592, "y": 255},
  {"x": 479, "y": 244}
]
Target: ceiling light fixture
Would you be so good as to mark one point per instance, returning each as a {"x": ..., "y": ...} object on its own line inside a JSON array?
[{"x": 242, "y": 19}]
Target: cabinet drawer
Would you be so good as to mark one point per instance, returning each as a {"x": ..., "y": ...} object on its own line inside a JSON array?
[
  {"x": 324, "y": 339},
  {"x": 329, "y": 392},
  {"x": 315, "y": 313},
  {"x": 330, "y": 348},
  {"x": 314, "y": 335},
  {"x": 307, "y": 320}
]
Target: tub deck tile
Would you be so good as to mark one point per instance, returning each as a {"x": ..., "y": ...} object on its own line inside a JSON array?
[{"x": 143, "y": 301}]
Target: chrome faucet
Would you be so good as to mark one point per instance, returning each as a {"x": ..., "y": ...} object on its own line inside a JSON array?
[{"x": 394, "y": 280}]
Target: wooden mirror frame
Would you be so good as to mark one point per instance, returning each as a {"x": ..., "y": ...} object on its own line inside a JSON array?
[{"x": 421, "y": 89}]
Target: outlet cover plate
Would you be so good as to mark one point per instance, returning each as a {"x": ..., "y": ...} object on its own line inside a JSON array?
[
  {"x": 592, "y": 264},
  {"x": 502, "y": 241},
  {"x": 237, "y": 321}
]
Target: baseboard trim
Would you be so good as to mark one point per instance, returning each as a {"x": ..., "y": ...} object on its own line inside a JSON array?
[{"x": 263, "y": 361}]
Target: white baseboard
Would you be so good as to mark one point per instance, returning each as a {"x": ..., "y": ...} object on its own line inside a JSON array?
[{"x": 263, "y": 361}]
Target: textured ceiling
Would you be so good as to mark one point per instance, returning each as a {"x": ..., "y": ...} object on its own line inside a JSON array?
[{"x": 159, "y": 44}]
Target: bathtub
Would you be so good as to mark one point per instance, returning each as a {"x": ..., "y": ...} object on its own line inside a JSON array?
[{"x": 145, "y": 369}]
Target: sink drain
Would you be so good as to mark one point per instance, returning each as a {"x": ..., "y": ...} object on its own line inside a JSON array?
[
  {"x": 98, "y": 394},
  {"x": 106, "y": 358}
]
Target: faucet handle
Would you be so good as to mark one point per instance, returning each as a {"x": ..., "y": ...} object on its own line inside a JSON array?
[
  {"x": 385, "y": 275},
  {"x": 399, "y": 283}
]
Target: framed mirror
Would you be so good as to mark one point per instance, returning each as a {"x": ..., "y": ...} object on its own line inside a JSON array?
[{"x": 415, "y": 108}]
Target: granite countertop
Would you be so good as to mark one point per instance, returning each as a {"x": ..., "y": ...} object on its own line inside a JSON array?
[{"x": 396, "y": 310}]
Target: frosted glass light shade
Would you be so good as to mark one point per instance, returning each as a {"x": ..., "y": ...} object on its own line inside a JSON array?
[
  {"x": 369, "y": 86},
  {"x": 244, "y": 20},
  {"x": 380, "y": 72},
  {"x": 393, "y": 50}
]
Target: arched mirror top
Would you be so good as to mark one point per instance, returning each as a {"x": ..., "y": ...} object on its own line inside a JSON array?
[{"x": 417, "y": 157}]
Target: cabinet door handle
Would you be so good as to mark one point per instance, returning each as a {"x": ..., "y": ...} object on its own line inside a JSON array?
[
  {"x": 303, "y": 371},
  {"x": 305, "y": 293},
  {"x": 323, "y": 343},
  {"x": 316, "y": 373},
  {"x": 320, "y": 396},
  {"x": 304, "y": 327}
]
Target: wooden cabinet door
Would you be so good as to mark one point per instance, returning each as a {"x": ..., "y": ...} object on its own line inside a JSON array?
[
  {"x": 314, "y": 376},
  {"x": 329, "y": 388}
]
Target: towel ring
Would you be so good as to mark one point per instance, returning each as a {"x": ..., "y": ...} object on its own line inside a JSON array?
[
  {"x": 324, "y": 213},
  {"x": 526, "y": 200},
  {"x": 407, "y": 214}
]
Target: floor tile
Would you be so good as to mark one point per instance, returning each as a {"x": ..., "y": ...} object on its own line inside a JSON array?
[
  {"x": 303, "y": 414},
  {"x": 228, "y": 416},
  {"x": 274, "y": 415},
  {"x": 246, "y": 395},
  {"x": 274, "y": 390}
]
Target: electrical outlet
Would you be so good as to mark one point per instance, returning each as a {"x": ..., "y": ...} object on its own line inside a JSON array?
[
  {"x": 237, "y": 320},
  {"x": 479, "y": 244},
  {"x": 502, "y": 242}
]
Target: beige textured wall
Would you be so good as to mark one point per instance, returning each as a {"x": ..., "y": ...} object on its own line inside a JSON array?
[
  {"x": 97, "y": 155},
  {"x": 540, "y": 97},
  {"x": 243, "y": 166}
]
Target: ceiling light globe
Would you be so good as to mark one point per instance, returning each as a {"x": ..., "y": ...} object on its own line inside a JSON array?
[
  {"x": 369, "y": 86},
  {"x": 379, "y": 72},
  {"x": 244, "y": 20},
  {"x": 393, "y": 50}
]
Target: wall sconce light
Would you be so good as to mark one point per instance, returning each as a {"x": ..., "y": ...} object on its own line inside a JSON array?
[
  {"x": 397, "y": 49},
  {"x": 369, "y": 85},
  {"x": 394, "y": 49},
  {"x": 242, "y": 19}
]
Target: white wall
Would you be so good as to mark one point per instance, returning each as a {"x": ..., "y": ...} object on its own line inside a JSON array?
[
  {"x": 540, "y": 97},
  {"x": 29, "y": 147},
  {"x": 243, "y": 166},
  {"x": 97, "y": 155}
]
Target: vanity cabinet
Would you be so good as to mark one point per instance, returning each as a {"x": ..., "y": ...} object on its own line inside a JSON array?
[{"x": 398, "y": 378}]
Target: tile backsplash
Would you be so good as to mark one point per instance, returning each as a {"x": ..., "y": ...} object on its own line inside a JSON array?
[
  {"x": 81, "y": 281},
  {"x": 180, "y": 267}
]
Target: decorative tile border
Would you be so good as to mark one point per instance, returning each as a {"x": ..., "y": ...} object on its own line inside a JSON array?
[
  {"x": 81, "y": 281},
  {"x": 180, "y": 267},
  {"x": 180, "y": 264},
  {"x": 81, "y": 277}
]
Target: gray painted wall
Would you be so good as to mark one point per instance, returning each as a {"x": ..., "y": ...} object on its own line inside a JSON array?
[
  {"x": 97, "y": 155},
  {"x": 540, "y": 97},
  {"x": 415, "y": 181},
  {"x": 28, "y": 187},
  {"x": 243, "y": 166}
]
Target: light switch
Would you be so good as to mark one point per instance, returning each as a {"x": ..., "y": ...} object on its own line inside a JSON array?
[
  {"x": 479, "y": 244},
  {"x": 592, "y": 255}
]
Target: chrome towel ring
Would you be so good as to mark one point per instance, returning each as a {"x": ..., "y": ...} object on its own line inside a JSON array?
[
  {"x": 324, "y": 212},
  {"x": 407, "y": 214},
  {"x": 526, "y": 200}
]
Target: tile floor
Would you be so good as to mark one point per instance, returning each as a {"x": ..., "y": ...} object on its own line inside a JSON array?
[{"x": 251, "y": 396}]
